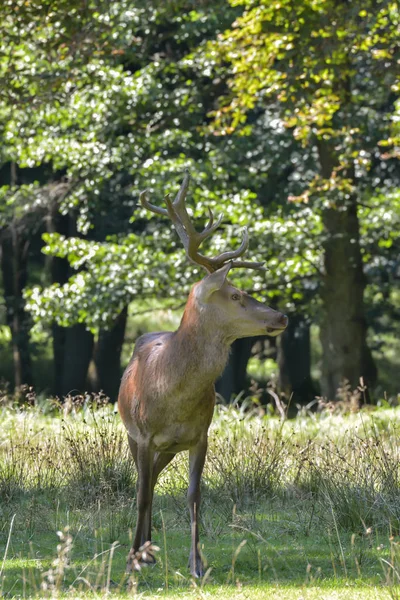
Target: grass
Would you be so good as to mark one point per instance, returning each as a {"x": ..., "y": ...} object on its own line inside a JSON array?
[{"x": 308, "y": 508}]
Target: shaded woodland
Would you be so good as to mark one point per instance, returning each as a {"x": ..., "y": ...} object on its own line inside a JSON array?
[{"x": 287, "y": 116}]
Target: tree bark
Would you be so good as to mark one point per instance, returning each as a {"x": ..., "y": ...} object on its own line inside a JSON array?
[
  {"x": 72, "y": 346},
  {"x": 294, "y": 361},
  {"x": 14, "y": 262},
  {"x": 346, "y": 355},
  {"x": 59, "y": 272},
  {"x": 77, "y": 355},
  {"x": 107, "y": 357},
  {"x": 14, "y": 266},
  {"x": 234, "y": 378}
]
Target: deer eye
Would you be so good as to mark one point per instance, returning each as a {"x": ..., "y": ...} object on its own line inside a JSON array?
[{"x": 235, "y": 297}]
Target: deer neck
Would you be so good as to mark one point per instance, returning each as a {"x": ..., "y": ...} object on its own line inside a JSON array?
[{"x": 203, "y": 345}]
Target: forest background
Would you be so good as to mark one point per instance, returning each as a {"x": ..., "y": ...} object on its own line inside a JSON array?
[{"x": 287, "y": 115}]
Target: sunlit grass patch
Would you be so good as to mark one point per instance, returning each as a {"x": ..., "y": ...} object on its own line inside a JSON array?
[
  {"x": 238, "y": 561},
  {"x": 289, "y": 508}
]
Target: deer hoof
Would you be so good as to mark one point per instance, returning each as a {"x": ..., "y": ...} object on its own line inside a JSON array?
[
  {"x": 143, "y": 557},
  {"x": 196, "y": 567}
]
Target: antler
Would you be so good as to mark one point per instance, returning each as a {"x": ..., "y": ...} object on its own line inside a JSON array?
[{"x": 193, "y": 239}]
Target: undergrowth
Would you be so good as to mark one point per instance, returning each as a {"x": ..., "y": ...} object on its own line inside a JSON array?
[{"x": 334, "y": 475}]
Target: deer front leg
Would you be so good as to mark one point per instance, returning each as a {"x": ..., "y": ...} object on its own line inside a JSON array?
[
  {"x": 161, "y": 460},
  {"x": 144, "y": 462},
  {"x": 197, "y": 457}
]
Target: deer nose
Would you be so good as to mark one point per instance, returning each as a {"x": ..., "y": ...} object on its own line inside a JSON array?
[{"x": 283, "y": 320}]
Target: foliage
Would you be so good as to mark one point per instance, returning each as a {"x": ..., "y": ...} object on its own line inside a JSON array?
[
  {"x": 94, "y": 162},
  {"x": 119, "y": 270},
  {"x": 111, "y": 127},
  {"x": 320, "y": 61},
  {"x": 101, "y": 103}
]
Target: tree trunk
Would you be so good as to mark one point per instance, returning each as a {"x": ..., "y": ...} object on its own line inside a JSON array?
[
  {"x": 77, "y": 356},
  {"x": 14, "y": 264},
  {"x": 59, "y": 272},
  {"x": 107, "y": 357},
  {"x": 233, "y": 380},
  {"x": 72, "y": 346},
  {"x": 294, "y": 361},
  {"x": 346, "y": 355}
]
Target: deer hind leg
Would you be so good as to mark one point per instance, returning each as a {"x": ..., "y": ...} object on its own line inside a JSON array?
[
  {"x": 143, "y": 456},
  {"x": 133, "y": 449},
  {"x": 197, "y": 457}
]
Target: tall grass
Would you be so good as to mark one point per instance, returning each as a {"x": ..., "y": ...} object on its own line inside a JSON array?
[
  {"x": 347, "y": 464},
  {"x": 338, "y": 474}
]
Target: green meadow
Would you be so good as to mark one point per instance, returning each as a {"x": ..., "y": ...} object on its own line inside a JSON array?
[{"x": 305, "y": 508}]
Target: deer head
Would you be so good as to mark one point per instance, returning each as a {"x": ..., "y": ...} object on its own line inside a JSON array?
[{"x": 233, "y": 311}]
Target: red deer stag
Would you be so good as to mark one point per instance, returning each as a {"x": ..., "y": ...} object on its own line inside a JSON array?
[{"x": 166, "y": 399}]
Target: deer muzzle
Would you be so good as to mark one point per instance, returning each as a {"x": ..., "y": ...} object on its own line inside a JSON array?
[{"x": 281, "y": 324}]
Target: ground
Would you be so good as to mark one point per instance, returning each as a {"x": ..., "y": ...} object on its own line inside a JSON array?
[{"x": 308, "y": 508}]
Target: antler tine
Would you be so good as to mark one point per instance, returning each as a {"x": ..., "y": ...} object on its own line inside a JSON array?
[
  {"x": 211, "y": 226},
  {"x": 210, "y": 218},
  {"x": 179, "y": 206},
  {"x": 143, "y": 197},
  {"x": 191, "y": 238},
  {"x": 223, "y": 258},
  {"x": 227, "y": 256},
  {"x": 181, "y": 195},
  {"x": 249, "y": 265},
  {"x": 179, "y": 226},
  {"x": 196, "y": 239},
  {"x": 177, "y": 212}
]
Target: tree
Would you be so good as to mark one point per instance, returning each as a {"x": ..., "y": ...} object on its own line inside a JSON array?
[
  {"x": 330, "y": 69},
  {"x": 85, "y": 98},
  {"x": 100, "y": 126}
]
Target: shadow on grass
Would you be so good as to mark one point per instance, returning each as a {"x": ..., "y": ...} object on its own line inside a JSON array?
[{"x": 267, "y": 545}]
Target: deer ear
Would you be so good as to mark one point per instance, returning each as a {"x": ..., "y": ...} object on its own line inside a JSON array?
[{"x": 213, "y": 282}]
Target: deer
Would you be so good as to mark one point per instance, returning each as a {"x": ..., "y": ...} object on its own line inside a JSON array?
[{"x": 167, "y": 395}]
